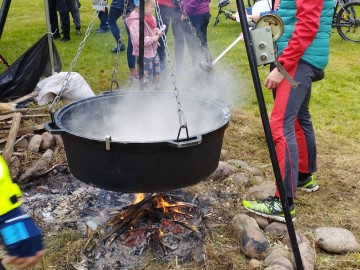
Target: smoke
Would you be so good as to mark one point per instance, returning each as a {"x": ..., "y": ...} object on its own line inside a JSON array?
[{"x": 152, "y": 116}]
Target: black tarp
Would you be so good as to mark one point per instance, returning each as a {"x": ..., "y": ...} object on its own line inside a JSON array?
[{"x": 22, "y": 76}]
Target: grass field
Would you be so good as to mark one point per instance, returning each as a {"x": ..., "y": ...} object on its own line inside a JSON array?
[{"x": 335, "y": 107}]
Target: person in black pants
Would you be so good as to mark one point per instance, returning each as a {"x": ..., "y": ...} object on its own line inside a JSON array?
[{"x": 54, "y": 21}]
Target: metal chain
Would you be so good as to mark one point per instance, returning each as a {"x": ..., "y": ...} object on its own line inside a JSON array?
[
  {"x": 193, "y": 31},
  {"x": 119, "y": 42},
  {"x": 74, "y": 61},
  {"x": 182, "y": 119}
]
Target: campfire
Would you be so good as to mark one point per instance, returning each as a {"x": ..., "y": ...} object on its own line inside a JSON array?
[{"x": 164, "y": 223}]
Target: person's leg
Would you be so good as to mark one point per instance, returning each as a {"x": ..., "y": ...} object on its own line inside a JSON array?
[
  {"x": 305, "y": 137},
  {"x": 131, "y": 59},
  {"x": 178, "y": 32},
  {"x": 165, "y": 16},
  {"x": 54, "y": 21},
  {"x": 156, "y": 72},
  {"x": 148, "y": 72},
  {"x": 104, "y": 23},
  {"x": 65, "y": 25},
  {"x": 114, "y": 15}
]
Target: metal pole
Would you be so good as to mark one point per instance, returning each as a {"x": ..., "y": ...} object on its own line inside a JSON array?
[
  {"x": 141, "y": 39},
  {"x": 267, "y": 130},
  {"x": 49, "y": 36},
  {"x": 3, "y": 14}
]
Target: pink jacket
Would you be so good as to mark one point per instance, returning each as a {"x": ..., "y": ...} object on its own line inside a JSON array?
[{"x": 150, "y": 47}]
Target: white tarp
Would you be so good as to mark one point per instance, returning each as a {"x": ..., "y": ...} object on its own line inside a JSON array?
[{"x": 76, "y": 88}]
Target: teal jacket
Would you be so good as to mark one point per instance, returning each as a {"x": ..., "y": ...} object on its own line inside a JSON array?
[{"x": 305, "y": 37}]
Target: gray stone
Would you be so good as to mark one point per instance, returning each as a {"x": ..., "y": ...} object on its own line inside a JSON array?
[
  {"x": 22, "y": 144},
  {"x": 239, "y": 222},
  {"x": 223, "y": 170},
  {"x": 240, "y": 179},
  {"x": 336, "y": 240},
  {"x": 276, "y": 253},
  {"x": 260, "y": 220},
  {"x": 34, "y": 143},
  {"x": 261, "y": 191},
  {"x": 246, "y": 167},
  {"x": 48, "y": 155},
  {"x": 255, "y": 264},
  {"x": 300, "y": 238},
  {"x": 48, "y": 141},
  {"x": 224, "y": 155},
  {"x": 254, "y": 243},
  {"x": 280, "y": 264},
  {"x": 15, "y": 167},
  {"x": 276, "y": 229},
  {"x": 307, "y": 256},
  {"x": 58, "y": 141},
  {"x": 42, "y": 189}
]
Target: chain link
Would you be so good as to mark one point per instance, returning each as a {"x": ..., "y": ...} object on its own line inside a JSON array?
[
  {"x": 182, "y": 119},
  {"x": 74, "y": 61}
]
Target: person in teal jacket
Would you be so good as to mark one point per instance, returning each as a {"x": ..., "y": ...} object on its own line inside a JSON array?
[
  {"x": 303, "y": 51},
  {"x": 18, "y": 232}
]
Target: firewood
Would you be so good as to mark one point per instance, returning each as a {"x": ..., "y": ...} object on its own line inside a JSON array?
[{"x": 9, "y": 146}]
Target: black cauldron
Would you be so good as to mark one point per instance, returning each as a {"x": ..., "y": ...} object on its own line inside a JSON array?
[{"x": 128, "y": 141}]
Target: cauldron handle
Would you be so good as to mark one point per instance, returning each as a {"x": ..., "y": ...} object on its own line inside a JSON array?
[
  {"x": 51, "y": 128},
  {"x": 186, "y": 142}
]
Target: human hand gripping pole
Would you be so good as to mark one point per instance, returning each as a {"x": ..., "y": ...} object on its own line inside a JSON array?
[{"x": 22, "y": 239}]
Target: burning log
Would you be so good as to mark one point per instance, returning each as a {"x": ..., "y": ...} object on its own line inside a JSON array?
[{"x": 155, "y": 219}]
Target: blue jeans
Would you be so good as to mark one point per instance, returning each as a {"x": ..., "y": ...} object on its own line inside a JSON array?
[
  {"x": 103, "y": 17},
  {"x": 114, "y": 15},
  {"x": 200, "y": 23}
]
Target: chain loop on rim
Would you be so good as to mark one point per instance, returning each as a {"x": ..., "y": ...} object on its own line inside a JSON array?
[
  {"x": 182, "y": 119},
  {"x": 74, "y": 61}
]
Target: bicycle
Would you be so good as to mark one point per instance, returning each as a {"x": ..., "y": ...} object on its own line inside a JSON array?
[
  {"x": 346, "y": 20},
  {"x": 229, "y": 14}
]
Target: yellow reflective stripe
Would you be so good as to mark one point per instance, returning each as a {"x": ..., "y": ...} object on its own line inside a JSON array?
[{"x": 7, "y": 189}]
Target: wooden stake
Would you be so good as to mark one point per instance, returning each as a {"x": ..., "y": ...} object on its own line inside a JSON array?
[{"x": 9, "y": 146}]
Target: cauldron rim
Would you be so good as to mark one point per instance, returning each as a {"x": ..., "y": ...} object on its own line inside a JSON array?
[{"x": 66, "y": 108}]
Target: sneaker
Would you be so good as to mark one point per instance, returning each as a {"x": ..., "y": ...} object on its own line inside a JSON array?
[
  {"x": 134, "y": 77},
  {"x": 78, "y": 32},
  {"x": 65, "y": 39},
  {"x": 270, "y": 208},
  {"x": 101, "y": 30},
  {"x": 308, "y": 185},
  {"x": 122, "y": 48}
]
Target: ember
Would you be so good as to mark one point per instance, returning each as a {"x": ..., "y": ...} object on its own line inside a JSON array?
[{"x": 170, "y": 227}]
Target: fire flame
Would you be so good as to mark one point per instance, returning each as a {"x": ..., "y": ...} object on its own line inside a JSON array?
[
  {"x": 161, "y": 203},
  {"x": 139, "y": 197}
]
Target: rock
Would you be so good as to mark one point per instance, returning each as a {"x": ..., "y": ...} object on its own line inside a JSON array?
[
  {"x": 276, "y": 253},
  {"x": 336, "y": 240},
  {"x": 224, "y": 155},
  {"x": 260, "y": 220},
  {"x": 22, "y": 144},
  {"x": 223, "y": 170},
  {"x": 58, "y": 141},
  {"x": 34, "y": 143},
  {"x": 239, "y": 222},
  {"x": 254, "y": 243},
  {"x": 254, "y": 264},
  {"x": 246, "y": 167},
  {"x": 15, "y": 167},
  {"x": 280, "y": 264},
  {"x": 54, "y": 191},
  {"x": 42, "y": 189},
  {"x": 261, "y": 191},
  {"x": 307, "y": 256},
  {"x": 300, "y": 238},
  {"x": 276, "y": 229},
  {"x": 48, "y": 141},
  {"x": 240, "y": 179},
  {"x": 37, "y": 168}
]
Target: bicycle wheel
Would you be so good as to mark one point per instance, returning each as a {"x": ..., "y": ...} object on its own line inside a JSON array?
[{"x": 348, "y": 22}]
